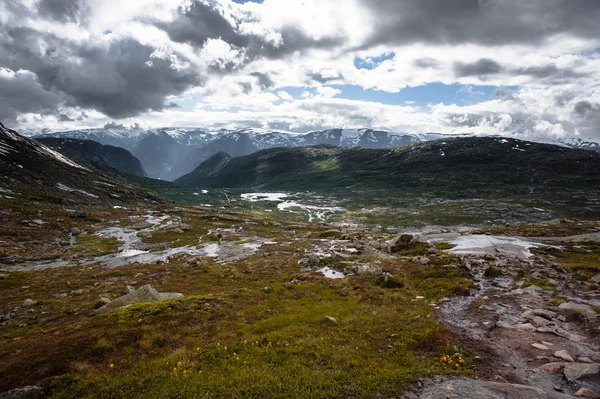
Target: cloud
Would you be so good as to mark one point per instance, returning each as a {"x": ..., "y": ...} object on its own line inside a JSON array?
[
  {"x": 120, "y": 79},
  {"x": 114, "y": 125},
  {"x": 23, "y": 93},
  {"x": 487, "y": 22},
  {"x": 63, "y": 10},
  {"x": 479, "y": 68}
]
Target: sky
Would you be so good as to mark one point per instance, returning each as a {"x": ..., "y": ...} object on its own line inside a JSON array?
[{"x": 529, "y": 69}]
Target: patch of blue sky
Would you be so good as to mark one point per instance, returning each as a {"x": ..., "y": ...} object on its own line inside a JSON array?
[
  {"x": 421, "y": 96},
  {"x": 372, "y": 62}
]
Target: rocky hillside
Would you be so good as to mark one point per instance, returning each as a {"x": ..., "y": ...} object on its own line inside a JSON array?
[
  {"x": 89, "y": 153},
  {"x": 34, "y": 170},
  {"x": 457, "y": 164}
]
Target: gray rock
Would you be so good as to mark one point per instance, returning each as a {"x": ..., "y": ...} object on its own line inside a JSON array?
[
  {"x": 4, "y": 276},
  {"x": 20, "y": 393},
  {"x": 595, "y": 279},
  {"x": 267, "y": 290},
  {"x": 311, "y": 262},
  {"x": 165, "y": 296},
  {"x": 552, "y": 368},
  {"x": 423, "y": 260},
  {"x": 29, "y": 302},
  {"x": 538, "y": 321},
  {"x": 586, "y": 393},
  {"x": 577, "y": 371},
  {"x": 476, "y": 389},
  {"x": 532, "y": 290},
  {"x": 546, "y": 314},
  {"x": 330, "y": 319},
  {"x": 101, "y": 302},
  {"x": 146, "y": 293},
  {"x": 369, "y": 268},
  {"x": 78, "y": 215},
  {"x": 75, "y": 231},
  {"x": 129, "y": 290},
  {"x": 587, "y": 310},
  {"x": 564, "y": 355},
  {"x": 77, "y": 292}
]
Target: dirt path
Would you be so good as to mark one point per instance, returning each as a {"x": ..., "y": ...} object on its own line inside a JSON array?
[{"x": 517, "y": 336}]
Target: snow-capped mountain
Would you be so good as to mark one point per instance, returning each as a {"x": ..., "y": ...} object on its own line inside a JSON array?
[{"x": 168, "y": 153}]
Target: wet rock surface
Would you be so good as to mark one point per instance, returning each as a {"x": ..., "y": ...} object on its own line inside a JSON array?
[{"x": 518, "y": 336}]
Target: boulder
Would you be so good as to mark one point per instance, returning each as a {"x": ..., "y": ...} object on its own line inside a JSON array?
[
  {"x": 369, "y": 268},
  {"x": 585, "y": 309},
  {"x": 146, "y": 293},
  {"x": 21, "y": 393},
  {"x": 101, "y": 302},
  {"x": 552, "y": 368},
  {"x": 29, "y": 302},
  {"x": 586, "y": 393},
  {"x": 330, "y": 319},
  {"x": 4, "y": 276},
  {"x": 577, "y": 371},
  {"x": 423, "y": 260},
  {"x": 546, "y": 314},
  {"x": 75, "y": 231},
  {"x": 564, "y": 355},
  {"x": 165, "y": 296}
]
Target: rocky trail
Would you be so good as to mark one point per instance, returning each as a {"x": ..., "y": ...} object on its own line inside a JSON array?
[{"x": 526, "y": 347}]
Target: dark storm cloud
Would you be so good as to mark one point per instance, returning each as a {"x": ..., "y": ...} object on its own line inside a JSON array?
[
  {"x": 485, "y": 67},
  {"x": 199, "y": 22},
  {"x": 587, "y": 115},
  {"x": 120, "y": 80},
  {"x": 480, "y": 68},
  {"x": 264, "y": 80},
  {"x": 22, "y": 93},
  {"x": 114, "y": 125},
  {"x": 426, "y": 63},
  {"x": 65, "y": 118},
  {"x": 63, "y": 10},
  {"x": 583, "y": 107},
  {"x": 318, "y": 77},
  {"x": 246, "y": 87},
  {"x": 487, "y": 22}
]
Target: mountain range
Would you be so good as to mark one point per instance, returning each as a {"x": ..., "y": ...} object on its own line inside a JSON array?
[
  {"x": 37, "y": 171},
  {"x": 473, "y": 165},
  {"x": 169, "y": 153}
]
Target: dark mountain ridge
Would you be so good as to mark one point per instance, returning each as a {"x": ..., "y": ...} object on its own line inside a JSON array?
[
  {"x": 37, "y": 171},
  {"x": 469, "y": 164},
  {"x": 89, "y": 153}
]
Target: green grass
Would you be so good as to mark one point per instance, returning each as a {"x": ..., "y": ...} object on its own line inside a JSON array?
[
  {"x": 544, "y": 284},
  {"x": 382, "y": 342},
  {"x": 89, "y": 244},
  {"x": 492, "y": 272}
]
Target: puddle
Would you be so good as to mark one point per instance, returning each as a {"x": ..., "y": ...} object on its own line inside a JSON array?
[
  {"x": 482, "y": 244},
  {"x": 486, "y": 244},
  {"x": 313, "y": 211},
  {"x": 254, "y": 197},
  {"x": 330, "y": 273}
]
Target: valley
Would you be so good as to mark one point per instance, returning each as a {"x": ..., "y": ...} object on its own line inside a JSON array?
[{"x": 429, "y": 276}]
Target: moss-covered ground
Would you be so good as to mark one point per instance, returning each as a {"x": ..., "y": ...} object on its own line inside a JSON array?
[{"x": 229, "y": 336}]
